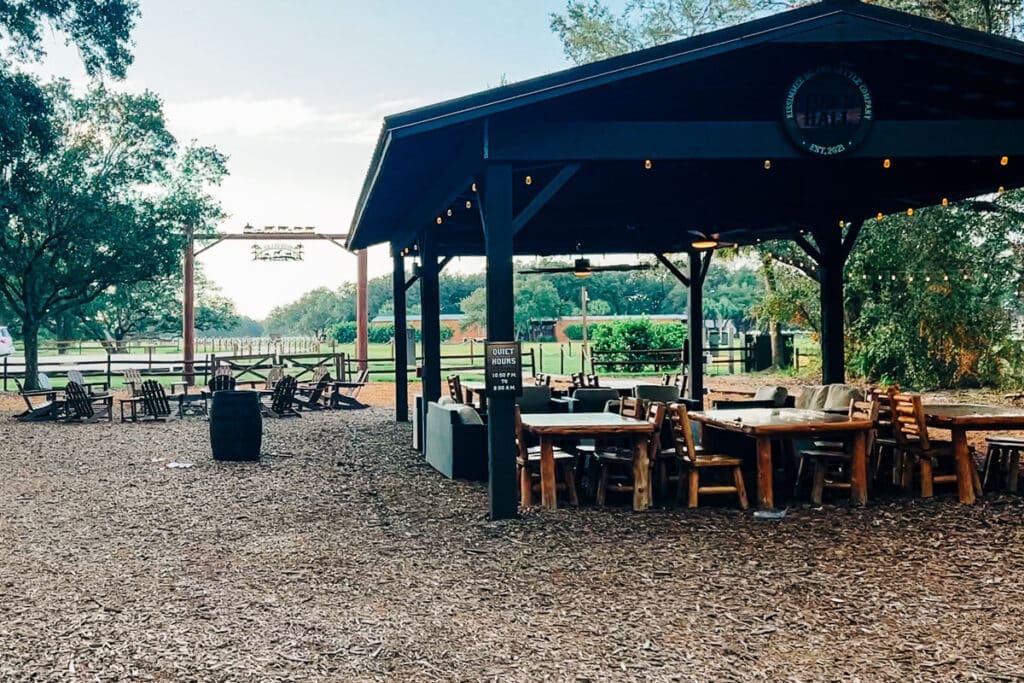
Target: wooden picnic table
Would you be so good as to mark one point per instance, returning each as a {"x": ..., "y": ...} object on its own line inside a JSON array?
[
  {"x": 960, "y": 418},
  {"x": 551, "y": 426},
  {"x": 767, "y": 424}
]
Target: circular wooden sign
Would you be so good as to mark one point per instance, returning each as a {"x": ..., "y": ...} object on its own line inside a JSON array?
[{"x": 828, "y": 111}]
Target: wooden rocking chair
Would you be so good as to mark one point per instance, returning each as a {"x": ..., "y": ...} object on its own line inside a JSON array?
[
  {"x": 282, "y": 399},
  {"x": 313, "y": 399},
  {"x": 345, "y": 394}
]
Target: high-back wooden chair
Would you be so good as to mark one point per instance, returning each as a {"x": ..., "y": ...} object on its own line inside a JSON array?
[
  {"x": 82, "y": 407},
  {"x": 666, "y": 379},
  {"x": 932, "y": 459},
  {"x": 528, "y": 468},
  {"x": 282, "y": 399},
  {"x": 222, "y": 371},
  {"x": 221, "y": 382},
  {"x": 593, "y": 381},
  {"x": 154, "y": 400},
  {"x": 455, "y": 389},
  {"x": 578, "y": 380},
  {"x": 695, "y": 460},
  {"x": 77, "y": 377},
  {"x": 615, "y": 465},
  {"x": 830, "y": 460},
  {"x": 133, "y": 380}
]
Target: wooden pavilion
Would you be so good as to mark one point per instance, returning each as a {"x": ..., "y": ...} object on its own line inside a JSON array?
[{"x": 799, "y": 126}]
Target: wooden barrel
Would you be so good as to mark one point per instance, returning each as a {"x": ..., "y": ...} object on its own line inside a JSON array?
[{"x": 236, "y": 425}]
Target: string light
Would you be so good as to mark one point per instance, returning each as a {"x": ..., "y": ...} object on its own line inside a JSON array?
[
  {"x": 1004, "y": 160},
  {"x": 469, "y": 204},
  {"x": 887, "y": 163},
  {"x": 842, "y": 224},
  {"x": 767, "y": 164},
  {"x": 910, "y": 211},
  {"x": 648, "y": 164},
  {"x": 945, "y": 201},
  {"x": 440, "y": 220},
  {"x": 1001, "y": 189},
  {"x": 529, "y": 180},
  {"x": 473, "y": 187},
  {"x": 449, "y": 213},
  {"x": 879, "y": 216}
]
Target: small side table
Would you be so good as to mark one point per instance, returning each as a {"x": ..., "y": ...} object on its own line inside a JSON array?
[{"x": 193, "y": 405}]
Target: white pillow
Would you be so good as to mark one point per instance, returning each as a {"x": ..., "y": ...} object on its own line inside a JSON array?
[{"x": 469, "y": 416}]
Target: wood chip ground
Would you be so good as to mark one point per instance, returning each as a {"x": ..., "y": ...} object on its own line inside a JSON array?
[{"x": 343, "y": 557}]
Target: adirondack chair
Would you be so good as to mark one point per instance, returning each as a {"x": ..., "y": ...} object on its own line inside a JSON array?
[
  {"x": 312, "y": 398},
  {"x": 155, "y": 405},
  {"x": 345, "y": 394},
  {"x": 133, "y": 380},
  {"x": 49, "y": 409},
  {"x": 81, "y": 407},
  {"x": 282, "y": 399},
  {"x": 221, "y": 383},
  {"x": 76, "y": 376}
]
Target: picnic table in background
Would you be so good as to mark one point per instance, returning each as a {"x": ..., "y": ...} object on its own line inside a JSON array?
[
  {"x": 551, "y": 426},
  {"x": 960, "y": 418},
  {"x": 765, "y": 425}
]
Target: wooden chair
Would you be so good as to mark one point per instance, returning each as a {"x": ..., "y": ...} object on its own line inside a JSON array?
[
  {"x": 615, "y": 466},
  {"x": 682, "y": 382},
  {"x": 933, "y": 460},
  {"x": 81, "y": 407},
  {"x": 313, "y": 399},
  {"x": 346, "y": 394},
  {"x": 542, "y": 380},
  {"x": 884, "y": 456},
  {"x": 578, "y": 380},
  {"x": 76, "y": 376},
  {"x": 51, "y": 408},
  {"x": 222, "y": 383},
  {"x": 1002, "y": 460},
  {"x": 455, "y": 389},
  {"x": 528, "y": 468},
  {"x": 282, "y": 399},
  {"x": 694, "y": 459},
  {"x": 155, "y": 405},
  {"x": 133, "y": 380},
  {"x": 666, "y": 379},
  {"x": 223, "y": 371},
  {"x": 831, "y": 460},
  {"x": 593, "y": 381}
]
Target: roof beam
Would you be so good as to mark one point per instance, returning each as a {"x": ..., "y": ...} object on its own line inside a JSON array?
[
  {"x": 620, "y": 141},
  {"x": 673, "y": 269},
  {"x": 543, "y": 197}
]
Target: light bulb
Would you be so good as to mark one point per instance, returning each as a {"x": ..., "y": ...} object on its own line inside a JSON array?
[
  {"x": 767, "y": 164},
  {"x": 887, "y": 163},
  {"x": 529, "y": 180},
  {"x": 648, "y": 164},
  {"x": 1003, "y": 161},
  {"x": 910, "y": 211}
]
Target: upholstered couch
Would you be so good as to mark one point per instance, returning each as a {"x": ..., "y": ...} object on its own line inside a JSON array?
[
  {"x": 765, "y": 397},
  {"x": 455, "y": 441}
]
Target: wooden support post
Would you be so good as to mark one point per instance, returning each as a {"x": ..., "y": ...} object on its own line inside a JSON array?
[
  {"x": 401, "y": 362},
  {"x": 695, "y": 320},
  {"x": 501, "y": 446},
  {"x": 830, "y": 275},
  {"x": 189, "y": 311},
  {"x": 362, "y": 313},
  {"x": 430, "y": 319}
]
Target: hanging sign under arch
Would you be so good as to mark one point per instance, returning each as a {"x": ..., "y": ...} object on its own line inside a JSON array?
[{"x": 828, "y": 111}]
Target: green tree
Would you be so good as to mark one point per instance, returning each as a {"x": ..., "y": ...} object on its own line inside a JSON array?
[{"x": 99, "y": 208}]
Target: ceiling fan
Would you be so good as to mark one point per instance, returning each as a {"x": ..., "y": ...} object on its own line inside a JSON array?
[
  {"x": 581, "y": 267},
  {"x": 708, "y": 240}
]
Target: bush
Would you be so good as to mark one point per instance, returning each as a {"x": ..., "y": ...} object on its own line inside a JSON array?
[
  {"x": 634, "y": 335},
  {"x": 575, "y": 331},
  {"x": 344, "y": 333},
  {"x": 381, "y": 334},
  {"x": 446, "y": 333}
]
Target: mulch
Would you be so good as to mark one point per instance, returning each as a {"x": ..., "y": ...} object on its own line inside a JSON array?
[{"x": 342, "y": 556}]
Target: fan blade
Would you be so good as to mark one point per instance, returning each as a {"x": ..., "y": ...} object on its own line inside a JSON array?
[
  {"x": 530, "y": 271},
  {"x": 625, "y": 267}
]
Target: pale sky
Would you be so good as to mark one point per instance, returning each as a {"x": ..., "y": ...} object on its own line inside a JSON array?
[{"x": 295, "y": 92}]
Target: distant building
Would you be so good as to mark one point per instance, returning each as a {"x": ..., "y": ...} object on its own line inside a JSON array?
[{"x": 452, "y": 321}]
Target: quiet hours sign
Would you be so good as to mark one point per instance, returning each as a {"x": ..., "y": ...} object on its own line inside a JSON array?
[{"x": 503, "y": 369}]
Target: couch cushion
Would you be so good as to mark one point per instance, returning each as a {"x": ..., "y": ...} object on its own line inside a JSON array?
[
  {"x": 840, "y": 395},
  {"x": 812, "y": 397},
  {"x": 775, "y": 394},
  {"x": 446, "y": 401},
  {"x": 653, "y": 392}
]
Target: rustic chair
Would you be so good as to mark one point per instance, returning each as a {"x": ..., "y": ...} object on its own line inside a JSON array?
[
  {"x": 615, "y": 466},
  {"x": 693, "y": 459},
  {"x": 154, "y": 401},
  {"x": 885, "y": 454},
  {"x": 528, "y": 468},
  {"x": 542, "y": 379},
  {"x": 666, "y": 379},
  {"x": 346, "y": 394},
  {"x": 455, "y": 389},
  {"x": 222, "y": 371},
  {"x": 220, "y": 382},
  {"x": 133, "y": 380},
  {"x": 578, "y": 380},
  {"x": 282, "y": 399},
  {"x": 51, "y": 408},
  {"x": 917, "y": 450},
  {"x": 313, "y": 399},
  {"x": 1002, "y": 459},
  {"x": 76, "y": 376},
  {"x": 81, "y": 407},
  {"x": 593, "y": 381},
  {"x": 831, "y": 460}
]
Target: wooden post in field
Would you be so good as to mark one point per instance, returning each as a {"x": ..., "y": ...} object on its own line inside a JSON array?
[{"x": 362, "y": 314}]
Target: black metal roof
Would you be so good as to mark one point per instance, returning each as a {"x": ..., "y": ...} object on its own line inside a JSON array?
[{"x": 707, "y": 112}]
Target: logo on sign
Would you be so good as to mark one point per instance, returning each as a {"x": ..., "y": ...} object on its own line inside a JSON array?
[{"x": 828, "y": 111}]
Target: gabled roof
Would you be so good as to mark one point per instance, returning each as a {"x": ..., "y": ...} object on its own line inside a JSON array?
[{"x": 428, "y": 135}]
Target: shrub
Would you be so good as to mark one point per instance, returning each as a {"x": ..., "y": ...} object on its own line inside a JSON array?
[
  {"x": 344, "y": 333},
  {"x": 574, "y": 331}
]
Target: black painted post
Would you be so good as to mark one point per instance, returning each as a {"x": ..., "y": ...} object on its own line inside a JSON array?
[
  {"x": 830, "y": 277},
  {"x": 695, "y": 320},
  {"x": 401, "y": 367},
  {"x": 501, "y": 446},
  {"x": 430, "y": 310}
]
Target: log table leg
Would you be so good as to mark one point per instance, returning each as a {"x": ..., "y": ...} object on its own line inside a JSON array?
[
  {"x": 859, "y": 470},
  {"x": 641, "y": 475},
  {"x": 765, "y": 495},
  {"x": 548, "y": 497},
  {"x": 964, "y": 480}
]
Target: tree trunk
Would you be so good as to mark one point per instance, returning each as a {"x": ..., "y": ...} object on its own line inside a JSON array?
[
  {"x": 30, "y": 330},
  {"x": 774, "y": 326}
]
